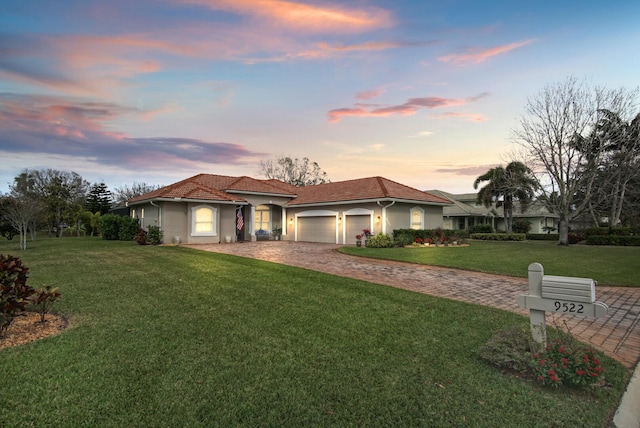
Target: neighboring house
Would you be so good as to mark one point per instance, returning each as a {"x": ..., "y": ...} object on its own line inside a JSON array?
[
  {"x": 466, "y": 212},
  {"x": 213, "y": 208}
]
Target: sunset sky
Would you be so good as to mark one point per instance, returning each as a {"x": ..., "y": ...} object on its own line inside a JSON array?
[{"x": 426, "y": 93}]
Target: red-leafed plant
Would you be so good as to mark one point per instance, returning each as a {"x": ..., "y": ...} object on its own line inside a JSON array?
[
  {"x": 43, "y": 299},
  {"x": 14, "y": 291}
]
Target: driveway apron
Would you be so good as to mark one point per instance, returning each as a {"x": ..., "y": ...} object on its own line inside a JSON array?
[{"x": 617, "y": 334}]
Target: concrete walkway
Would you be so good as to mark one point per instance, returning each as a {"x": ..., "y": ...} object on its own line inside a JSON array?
[{"x": 617, "y": 334}]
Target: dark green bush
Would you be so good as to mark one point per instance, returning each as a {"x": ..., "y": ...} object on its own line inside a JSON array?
[
  {"x": 109, "y": 225},
  {"x": 154, "y": 235},
  {"x": 403, "y": 239},
  {"x": 482, "y": 228},
  {"x": 128, "y": 228},
  {"x": 521, "y": 226},
  {"x": 508, "y": 349},
  {"x": 613, "y": 240},
  {"x": 499, "y": 236},
  {"x": 543, "y": 236},
  {"x": 602, "y": 231}
]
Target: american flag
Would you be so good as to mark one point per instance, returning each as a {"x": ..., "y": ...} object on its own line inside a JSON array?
[{"x": 240, "y": 220}]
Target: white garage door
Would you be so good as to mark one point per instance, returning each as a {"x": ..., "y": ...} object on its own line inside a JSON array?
[
  {"x": 317, "y": 229},
  {"x": 355, "y": 224}
]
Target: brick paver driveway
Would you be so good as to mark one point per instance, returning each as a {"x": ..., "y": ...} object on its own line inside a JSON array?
[{"x": 617, "y": 334}]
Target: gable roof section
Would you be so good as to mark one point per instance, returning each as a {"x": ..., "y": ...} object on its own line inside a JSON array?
[
  {"x": 363, "y": 189},
  {"x": 463, "y": 205},
  {"x": 209, "y": 187}
]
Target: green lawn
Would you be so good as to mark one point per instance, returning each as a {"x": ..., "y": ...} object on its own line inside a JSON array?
[
  {"x": 170, "y": 336},
  {"x": 607, "y": 265}
]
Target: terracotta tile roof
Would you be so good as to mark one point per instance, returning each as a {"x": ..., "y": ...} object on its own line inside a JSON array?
[
  {"x": 362, "y": 189},
  {"x": 199, "y": 187},
  {"x": 211, "y": 187}
]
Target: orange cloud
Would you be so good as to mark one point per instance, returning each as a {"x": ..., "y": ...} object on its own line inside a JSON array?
[
  {"x": 304, "y": 17},
  {"x": 476, "y": 55}
]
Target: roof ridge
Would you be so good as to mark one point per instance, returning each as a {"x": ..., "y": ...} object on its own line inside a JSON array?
[{"x": 380, "y": 181}]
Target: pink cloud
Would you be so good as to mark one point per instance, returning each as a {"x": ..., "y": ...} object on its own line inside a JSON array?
[
  {"x": 477, "y": 55},
  {"x": 65, "y": 127},
  {"x": 367, "y": 95},
  {"x": 408, "y": 108},
  {"x": 302, "y": 17}
]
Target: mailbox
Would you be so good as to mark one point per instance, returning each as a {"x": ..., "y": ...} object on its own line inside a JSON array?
[{"x": 581, "y": 290}]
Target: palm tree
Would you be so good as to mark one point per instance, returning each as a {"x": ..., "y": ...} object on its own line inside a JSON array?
[{"x": 506, "y": 185}]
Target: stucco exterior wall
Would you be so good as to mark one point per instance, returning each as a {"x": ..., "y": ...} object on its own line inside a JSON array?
[
  {"x": 398, "y": 216},
  {"x": 174, "y": 222}
]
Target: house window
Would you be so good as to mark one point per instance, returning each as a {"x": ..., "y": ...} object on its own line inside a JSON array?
[
  {"x": 262, "y": 219},
  {"x": 417, "y": 218},
  {"x": 133, "y": 213},
  {"x": 203, "y": 220}
]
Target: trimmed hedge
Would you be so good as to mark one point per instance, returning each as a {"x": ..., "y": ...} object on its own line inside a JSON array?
[
  {"x": 499, "y": 236},
  {"x": 404, "y": 237},
  {"x": 543, "y": 236},
  {"x": 602, "y": 231},
  {"x": 621, "y": 240}
]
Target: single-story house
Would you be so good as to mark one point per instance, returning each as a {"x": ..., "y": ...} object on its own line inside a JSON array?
[
  {"x": 210, "y": 208},
  {"x": 466, "y": 212}
]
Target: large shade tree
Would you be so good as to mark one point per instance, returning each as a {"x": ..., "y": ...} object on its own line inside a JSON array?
[
  {"x": 504, "y": 186},
  {"x": 554, "y": 135},
  {"x": 619, "y": 139},
  {"x": 298, "y": 172},
  {"x": 61, "y": 194},
  {"x": 124, "y": 193}
]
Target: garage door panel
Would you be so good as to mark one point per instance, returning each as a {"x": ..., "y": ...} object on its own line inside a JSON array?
[
  {"x": 354, "y": 226},
  {"x": 317, "y": 229}
]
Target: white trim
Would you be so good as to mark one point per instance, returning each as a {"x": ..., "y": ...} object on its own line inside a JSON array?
[
  {"x": 214, "y": 220},
  {"x": 422, "y": 215}
]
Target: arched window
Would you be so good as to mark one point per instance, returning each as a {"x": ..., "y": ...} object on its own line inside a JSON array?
[
  {"x": 203, "y": 220},
  {"x": 417, "y": 218}
]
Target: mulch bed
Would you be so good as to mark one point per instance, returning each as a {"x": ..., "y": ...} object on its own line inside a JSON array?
[{"x": 28, "y": 328}]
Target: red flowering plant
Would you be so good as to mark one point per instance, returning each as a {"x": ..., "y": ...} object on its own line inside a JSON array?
[
  {"x": 366, "y": 233},
  {"x": 566, "y": 365},
  {"x": 418, "y": 240},
  {"x": 359, "y": 237}
]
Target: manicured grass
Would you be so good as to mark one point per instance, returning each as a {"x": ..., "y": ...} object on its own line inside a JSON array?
[
  {"x": 169, "y": 336},
  {"x": 613, "y": 266}
]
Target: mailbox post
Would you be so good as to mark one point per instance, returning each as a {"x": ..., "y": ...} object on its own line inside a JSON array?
[{"x": 559, "y": 294}]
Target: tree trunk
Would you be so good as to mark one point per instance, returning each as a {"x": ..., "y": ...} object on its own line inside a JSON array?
[{"x": 563, "y": 231}]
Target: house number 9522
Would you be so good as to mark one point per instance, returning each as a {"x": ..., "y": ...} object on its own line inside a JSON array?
[{"x": 568, "y": 307}]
